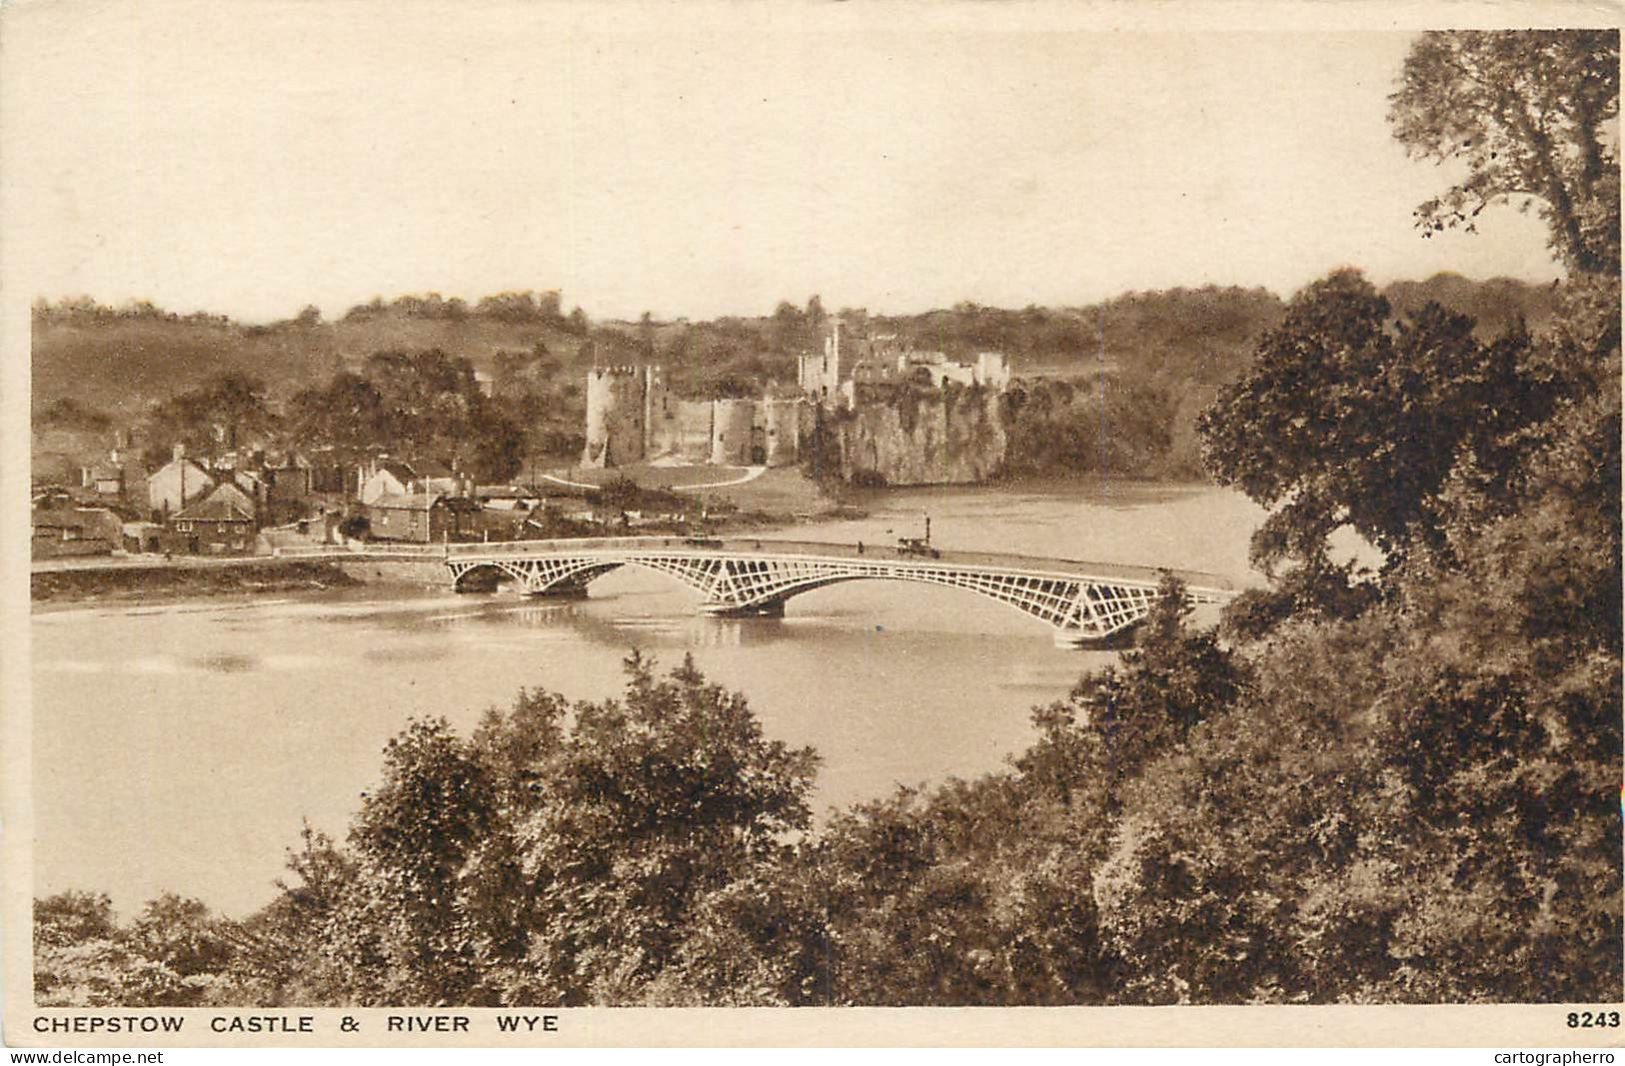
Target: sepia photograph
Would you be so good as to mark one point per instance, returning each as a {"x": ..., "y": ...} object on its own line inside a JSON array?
[{"x": 536, "y": 506}]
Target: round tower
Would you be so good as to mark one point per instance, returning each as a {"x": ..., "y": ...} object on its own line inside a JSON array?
[{"x": 614, "y": 417}]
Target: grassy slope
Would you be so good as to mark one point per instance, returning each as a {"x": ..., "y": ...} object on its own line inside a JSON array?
[
  {"x": 121, "y": 365},
  {"x": 1193, "y": 339}
]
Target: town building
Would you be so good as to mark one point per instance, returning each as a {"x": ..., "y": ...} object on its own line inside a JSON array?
[
  {"x": 177, "y": 483},
  {"x": 142, "y": 537},
  {"x": 393, "y": 477},
  {"x": 422, "y": 517},
  {"x": 63, "y": 529},
  {"x": 221, "y": 523},
  {"x": 104, "y": 479}
]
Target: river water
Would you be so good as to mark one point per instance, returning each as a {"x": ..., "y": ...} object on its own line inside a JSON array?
[{"x": 178, "y": 747}]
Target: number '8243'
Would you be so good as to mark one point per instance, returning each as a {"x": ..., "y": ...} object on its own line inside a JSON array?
[{"x": 1598, "y": 1019}]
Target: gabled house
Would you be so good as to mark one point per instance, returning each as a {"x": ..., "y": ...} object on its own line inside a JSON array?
[
  {"x": 422, "y": 517},
  {"x": 388, "y": 477},
  {"x": 177, "y": 483},
  {"x": 66, "y": 529},
  {"x": 220, "y": 523},
  {"x": 392, "y": 477}
]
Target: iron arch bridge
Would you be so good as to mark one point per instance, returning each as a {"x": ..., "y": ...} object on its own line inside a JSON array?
[{"x": 1084, "y": 603}]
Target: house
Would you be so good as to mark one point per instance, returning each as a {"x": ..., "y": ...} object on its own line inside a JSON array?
[
  {"x": 244, "y": 490},
  {"x": 422, "y": 517},
  {"x": 218, "y": 524},
  {"x": 103, "y": 478},
  {"x": 288, "y": 478},
  {"x": 142, "y": 537},
  {"x": 388, "y": 477},
  {"x": 391, "y": 477},
  {"x": 507, "y": 497},
  {"x": 177, "y": 483},
  {"x": 435, "y": 476},
  {"x": 65, "y": 529}
]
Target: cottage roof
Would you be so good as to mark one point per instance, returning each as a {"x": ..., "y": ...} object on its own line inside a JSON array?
[
  {"x": 58, "y": 516},
  {"x": 432, "y": 468},
  {"x": 398, "y": 470},
  {"x": 408, "y": 501},
  {"x": 215, "y": 507},
  {"x": 183, "y": 463},
  {"x": 422, "y": 501}
]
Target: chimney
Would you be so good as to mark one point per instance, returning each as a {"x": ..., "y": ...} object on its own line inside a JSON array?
[{"x": 179, "y": 450}]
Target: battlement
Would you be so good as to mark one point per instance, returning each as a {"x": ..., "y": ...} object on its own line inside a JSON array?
[{"x": 626, "y": 370}]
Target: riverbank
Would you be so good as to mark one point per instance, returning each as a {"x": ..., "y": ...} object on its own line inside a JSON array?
[{"x": 168, "y": 581}]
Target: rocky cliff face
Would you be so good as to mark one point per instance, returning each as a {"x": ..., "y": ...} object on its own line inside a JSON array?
[{"x": 950, "y": 436}]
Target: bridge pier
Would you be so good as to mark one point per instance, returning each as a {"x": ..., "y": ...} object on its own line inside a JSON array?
[
  {"x": 753, "y": 610},
  {"x": 1070, "y": 639},
  {"x": 560, "y": 591}
]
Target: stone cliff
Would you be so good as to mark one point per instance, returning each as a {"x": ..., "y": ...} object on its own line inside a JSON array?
[{"x": 905, "y": 436}]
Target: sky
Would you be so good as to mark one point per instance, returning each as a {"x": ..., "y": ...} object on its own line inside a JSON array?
[{"x": 254, "y": 157}]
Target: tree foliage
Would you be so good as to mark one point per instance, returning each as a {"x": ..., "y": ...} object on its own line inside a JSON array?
[
  {"x": 1529, "y": 114},
  {"x": 418, "y": 404},
  {"x": 1348, "y": 420}
]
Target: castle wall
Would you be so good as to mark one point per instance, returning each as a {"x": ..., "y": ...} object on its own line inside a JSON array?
[{"x": 693, "y": 434}]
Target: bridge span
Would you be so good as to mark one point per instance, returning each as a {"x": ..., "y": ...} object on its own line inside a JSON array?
[{"x": 1084, "y": 603}]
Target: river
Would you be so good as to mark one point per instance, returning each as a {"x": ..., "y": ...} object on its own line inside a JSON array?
[{"x": 178, "y": 747}]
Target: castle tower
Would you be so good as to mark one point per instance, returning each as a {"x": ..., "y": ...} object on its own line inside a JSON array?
[
  {"x": 615, "y": 417},
  {"x": 781, "y": 425},
  {"x": 731, "y": 424},
  {"x": 661, "y": 431}
]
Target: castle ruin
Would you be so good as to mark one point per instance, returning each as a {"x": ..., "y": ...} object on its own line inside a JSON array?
[
  {"x": 849, "y": 362},
  {"x": 633, "y": 417}
]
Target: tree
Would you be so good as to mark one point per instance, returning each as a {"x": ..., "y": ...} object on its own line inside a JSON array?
[
  {"x": 174, "y": 954},
  {"x": 1344, "y": 421},
  {"x": 226, "y": 410},
  {"x": 1528, "y": 113},
  {"x": 346, "y": 415},
  {"x": 412, "y": 837},
  {"x": 563, "y": 854},
  {"x": 1169, "y": 681}
]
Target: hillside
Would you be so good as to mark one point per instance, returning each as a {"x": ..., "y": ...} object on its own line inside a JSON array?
[
  {"x": 1166, "y": 354},
  {"x": 120, "y": 361}
]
